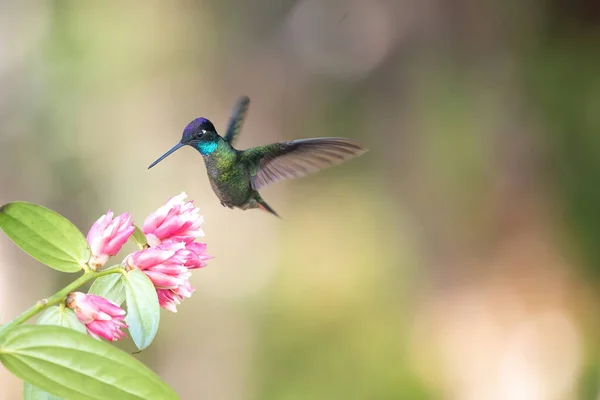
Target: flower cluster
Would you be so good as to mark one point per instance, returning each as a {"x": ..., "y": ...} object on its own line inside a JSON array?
[
  {"x": 171, "y": 232},
  {"x": 171, "y": 254}
]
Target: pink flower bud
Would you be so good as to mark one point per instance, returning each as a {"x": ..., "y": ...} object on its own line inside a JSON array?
[
  {"x": 168, "y": 266},
  {"x": 195, "y": 255},
  {"x": 107, "y": 236},
  {"x": 169, "y": 299},
  {"x": 177, "y": 221},
  {"x": 101, "y": 317}
]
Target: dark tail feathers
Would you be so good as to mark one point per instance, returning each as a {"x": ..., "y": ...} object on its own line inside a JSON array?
[{"x": 265, "y": 207}]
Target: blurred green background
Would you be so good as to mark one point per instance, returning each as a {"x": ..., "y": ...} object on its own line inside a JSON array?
[{"x": 458, "y": 259}]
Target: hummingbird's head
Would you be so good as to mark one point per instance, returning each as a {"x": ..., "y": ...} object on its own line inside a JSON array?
[
  {"x": 200, "y": 134},
  {"x": 198, "y": 130}
]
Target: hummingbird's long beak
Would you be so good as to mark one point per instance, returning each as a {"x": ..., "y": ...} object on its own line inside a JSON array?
[{"x": 177, "y": 146}]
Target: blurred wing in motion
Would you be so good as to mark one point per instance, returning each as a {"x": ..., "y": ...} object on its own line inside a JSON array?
[
  {"x": 287, "y": 160},
  {"x": 237, "y": 119}
]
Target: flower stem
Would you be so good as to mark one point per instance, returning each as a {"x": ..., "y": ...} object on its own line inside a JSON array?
[{"x": 59, "y": 296}]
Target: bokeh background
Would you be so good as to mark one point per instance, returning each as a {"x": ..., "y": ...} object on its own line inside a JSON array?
[{"x": 458, "y": 259}]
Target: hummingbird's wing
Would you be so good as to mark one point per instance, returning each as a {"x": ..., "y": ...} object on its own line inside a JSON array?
[
  {"x": 287, "y": 160},
  {"x": 237, "y": 119}
]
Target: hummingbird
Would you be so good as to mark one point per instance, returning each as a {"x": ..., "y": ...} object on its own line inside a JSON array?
[{"x": 236, "y": 175}]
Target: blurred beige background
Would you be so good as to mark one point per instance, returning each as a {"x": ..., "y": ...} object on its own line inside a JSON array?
[{"x": 458, "y": 259}]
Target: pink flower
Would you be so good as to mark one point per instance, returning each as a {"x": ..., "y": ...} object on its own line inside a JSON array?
[
  {"x": 169, "y": 299},
  {"x": 177, "y": 220},
  {"x": 107, "y": 236},
  {"x": 196, "y": 256},
  {"x": 168, "y": 266},
  {"x": 101, "y": 317}
]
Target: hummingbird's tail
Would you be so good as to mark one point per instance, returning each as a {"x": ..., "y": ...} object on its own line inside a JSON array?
[{"x": 265, "y": 207}]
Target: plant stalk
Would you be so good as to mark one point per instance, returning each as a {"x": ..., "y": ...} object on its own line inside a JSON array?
[{"x": 59, "y": 296}]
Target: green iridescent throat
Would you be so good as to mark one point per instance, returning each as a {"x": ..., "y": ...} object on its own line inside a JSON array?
[{"x": 205, "y": 148}]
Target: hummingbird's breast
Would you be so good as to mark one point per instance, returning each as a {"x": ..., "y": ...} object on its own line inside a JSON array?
[{"x": 229, "y": 179}]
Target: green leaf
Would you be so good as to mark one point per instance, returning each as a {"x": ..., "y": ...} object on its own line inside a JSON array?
[
  {"x": 110, "y": 287},
  {"x": 58, "y": 316},
  {"x": 30, "y": 392},
  {"x": 75, "y": 366},
  {"x": 61, "y": 317},
  {"x": 139, "y": 238},
  {"x": 45, "y": 235},
  {"x": 143, "y": 311}
]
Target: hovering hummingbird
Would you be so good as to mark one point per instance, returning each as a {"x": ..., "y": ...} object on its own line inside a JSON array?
[{"x": 237, "y": 175}]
